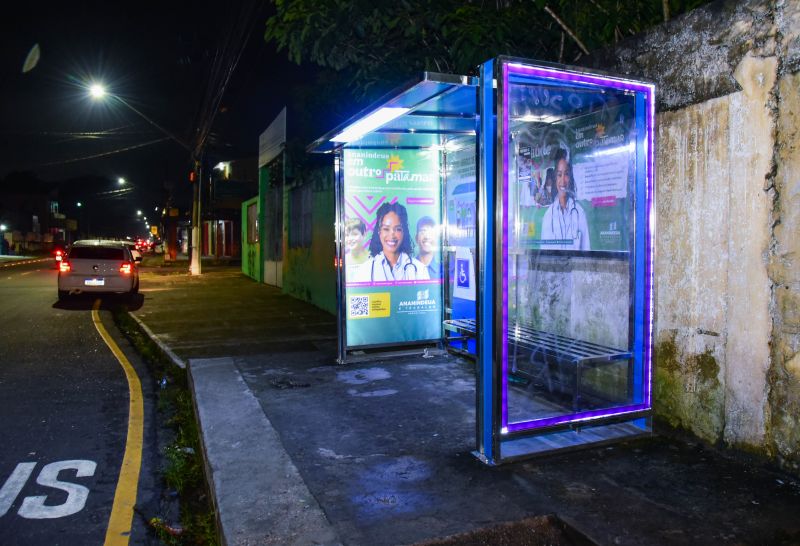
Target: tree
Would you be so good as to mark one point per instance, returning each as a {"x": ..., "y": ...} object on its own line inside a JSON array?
[{"x": 373, "y": 46}]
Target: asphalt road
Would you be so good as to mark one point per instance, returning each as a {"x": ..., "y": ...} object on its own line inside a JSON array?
[{"x": 64, "y": 417}]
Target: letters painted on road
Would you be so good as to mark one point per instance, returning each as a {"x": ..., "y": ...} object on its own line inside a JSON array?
[
  {"x": 14, "y": 485},
  {"x": 34, "y": 507}
]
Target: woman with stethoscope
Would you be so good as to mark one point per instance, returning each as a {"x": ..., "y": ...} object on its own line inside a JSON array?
[
  {"x": 391, "y": 249},
  {"x": 564, "y": 222}
]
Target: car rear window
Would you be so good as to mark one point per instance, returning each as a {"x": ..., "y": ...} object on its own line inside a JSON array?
[{"x": 96, "y": 253}]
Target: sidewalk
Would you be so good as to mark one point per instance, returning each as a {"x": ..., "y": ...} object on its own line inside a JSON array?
[
  {"x": 7, "y": 260},
  {"x": 302, "y": 451}
]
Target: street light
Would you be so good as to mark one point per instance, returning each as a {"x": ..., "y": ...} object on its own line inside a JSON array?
[
  {"x": 138, "y": 213},
  {"x": 79, "y": 204},
  {"x": 98, "y": 92},
  {"x": 3, "y": 227},
  {"x": 121, "y": 181}
]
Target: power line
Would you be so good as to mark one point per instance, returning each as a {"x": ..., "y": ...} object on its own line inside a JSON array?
[
  {"x": 223, "y": 66},
  {"x": 104, "y": 154},
  {"x": 116, "y": 131}
]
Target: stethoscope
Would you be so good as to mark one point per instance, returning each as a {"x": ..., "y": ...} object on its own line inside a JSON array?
[
  {"x": 569, "y": 230},
  {"x": 390, "y": 273}
]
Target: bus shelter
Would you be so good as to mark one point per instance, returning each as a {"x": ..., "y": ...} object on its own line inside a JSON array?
[{"x": 510, "y": 218}]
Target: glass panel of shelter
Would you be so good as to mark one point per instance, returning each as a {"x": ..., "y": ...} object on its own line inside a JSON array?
[
  {"x": 460, "y": 240},
  {"x": 568, "y": 236}
]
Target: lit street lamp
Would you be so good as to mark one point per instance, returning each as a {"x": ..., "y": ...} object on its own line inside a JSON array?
[
  {"x": 121, "y": 181},
  {"x": 97, "y": 91},
  {"x": 138, "y": 213}
]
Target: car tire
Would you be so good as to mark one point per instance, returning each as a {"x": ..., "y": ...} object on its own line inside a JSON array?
[
  {"x": 63, "y": 294},
  {"x": 135, "y": 289}
]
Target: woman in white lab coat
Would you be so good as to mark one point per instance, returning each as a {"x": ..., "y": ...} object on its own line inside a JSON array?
[
  {"x": 564, "y": 225},
  {"x": 391, "y": 249}
]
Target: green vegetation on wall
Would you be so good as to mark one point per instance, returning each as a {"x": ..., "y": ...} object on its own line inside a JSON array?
[{"x": 687, "y": 391}]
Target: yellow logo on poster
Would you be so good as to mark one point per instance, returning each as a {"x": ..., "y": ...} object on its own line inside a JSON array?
[
  {"x": 375, "y": 305},
  {"x": 394, "y": 163}
]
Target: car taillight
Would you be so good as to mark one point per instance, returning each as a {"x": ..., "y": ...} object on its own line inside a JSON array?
[
  {"x": 64, "y": 266},
  {"x": 59, "y": 255},
  {"x": 125, "y": 268}
]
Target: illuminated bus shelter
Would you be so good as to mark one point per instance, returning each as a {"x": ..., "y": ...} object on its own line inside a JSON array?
[{"x": 510, "y": 218}]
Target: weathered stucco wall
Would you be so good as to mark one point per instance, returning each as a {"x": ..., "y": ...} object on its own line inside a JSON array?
[
  {"x": 713, "y": 217},
  {"x": 784, "y": 271},
  {"x": 728, "y": 214},
  {"x": 581, "y": 298}
]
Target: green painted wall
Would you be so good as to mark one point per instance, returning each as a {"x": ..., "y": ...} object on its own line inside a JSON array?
[
  {"x": 308, "y": 273},
  {"x": 251, "y": 252}
]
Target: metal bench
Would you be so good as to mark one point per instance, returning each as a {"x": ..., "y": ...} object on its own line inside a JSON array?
[{"x": 557, "y": 361}]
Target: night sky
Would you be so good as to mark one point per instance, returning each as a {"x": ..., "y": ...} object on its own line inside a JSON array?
[{"x": 159, "y": 57}]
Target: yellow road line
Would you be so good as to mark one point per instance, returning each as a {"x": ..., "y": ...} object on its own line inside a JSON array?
[{"x": 119, "y": 525}]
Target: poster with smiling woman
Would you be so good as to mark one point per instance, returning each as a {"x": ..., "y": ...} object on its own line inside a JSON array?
[
  {"x": 574, "y": 179},
  {"x": 393, "y": 291}
]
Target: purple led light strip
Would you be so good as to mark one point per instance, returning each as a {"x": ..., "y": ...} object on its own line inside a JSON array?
[
  {"x": 560, "y": 75},
  {"x": 575, "y": 417},
  {"x": 504, "y": 272},
  {"x": 617, "y": 83}
]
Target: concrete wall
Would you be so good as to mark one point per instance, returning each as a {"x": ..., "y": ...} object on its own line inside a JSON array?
[
  {"x": 728, "y": 216},
  {"x": 308, "y": 272},
  {"x": 581, "y": 298}
]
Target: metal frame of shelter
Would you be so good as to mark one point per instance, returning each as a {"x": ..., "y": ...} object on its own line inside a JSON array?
[{"x": 432, "y": 112}]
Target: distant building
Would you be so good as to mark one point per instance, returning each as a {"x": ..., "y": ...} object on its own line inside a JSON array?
[
  {"x": 231, "y": 183},
  {"x": 29, "y": 208}
]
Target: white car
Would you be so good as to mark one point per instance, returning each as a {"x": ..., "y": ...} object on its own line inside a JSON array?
[{"x": 98, "y": 266}]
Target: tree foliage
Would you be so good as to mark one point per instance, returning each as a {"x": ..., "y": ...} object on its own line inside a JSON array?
[{"x": 369, "y": 43}]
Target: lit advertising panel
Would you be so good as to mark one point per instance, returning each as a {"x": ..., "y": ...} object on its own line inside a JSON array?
[{"x": 392, "y": 250}]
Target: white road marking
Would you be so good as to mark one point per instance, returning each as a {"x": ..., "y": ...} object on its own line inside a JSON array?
[
  {"x": 14, "y": 485},
  {"x": 35, "y": 508}
]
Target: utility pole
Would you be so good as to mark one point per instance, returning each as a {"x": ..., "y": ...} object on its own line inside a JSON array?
[{"x": 195, "y": 268}]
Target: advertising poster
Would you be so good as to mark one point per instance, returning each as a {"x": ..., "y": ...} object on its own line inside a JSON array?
[
  {"x": 573, "y": 180},
  {"x": 393, "y": 272}
]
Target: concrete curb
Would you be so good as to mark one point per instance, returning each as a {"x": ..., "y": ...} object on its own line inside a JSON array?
[
  {"x": 259, "y": 495},
  {"x": 163, "y": 346}
]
